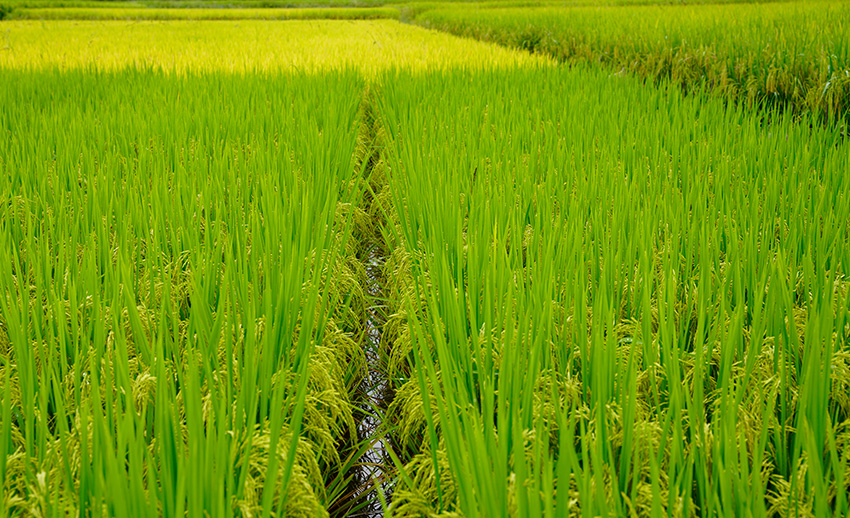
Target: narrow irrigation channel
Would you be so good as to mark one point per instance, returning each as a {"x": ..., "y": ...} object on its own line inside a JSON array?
[
  {"x": 373, "y": 465},
  {"x": 372, "y": 471}
]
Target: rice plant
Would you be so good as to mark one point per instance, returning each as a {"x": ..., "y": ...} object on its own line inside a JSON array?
[
  {"x": 581, "y": 294},
  {"x": 184, "y": 299},
  {"x": 178, "y": 295},
  {"x": 792, "y": 54},
  {"x": 245, "y": 47},
  {"x": 612, "y": 299},
  {"x": 148, "y": 13}
]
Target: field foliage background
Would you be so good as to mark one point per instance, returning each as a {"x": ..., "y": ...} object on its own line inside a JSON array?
[{"x": 588, "y": 259}]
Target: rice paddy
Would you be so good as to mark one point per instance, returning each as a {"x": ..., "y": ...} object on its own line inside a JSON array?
[
  {"x": 793, "y": 54},
  {"x": 645, "y": 316},
  {"x": 255, "y": 267},
  {"x": 244, "y": 46},
  {"x": 143, "y": 13}
]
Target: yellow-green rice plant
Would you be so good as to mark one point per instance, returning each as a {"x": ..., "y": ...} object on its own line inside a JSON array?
[
  {"x": 145, "y": 13},
  {"x": 614, "y": 300},
  {"x": 245, "y": 46},
  {"x": 191, "y": 4},
  {"x": 793, "y": 54},
  {"x": 177, "y": 306}
]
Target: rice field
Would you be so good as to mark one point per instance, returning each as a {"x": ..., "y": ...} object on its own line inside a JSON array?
[
  {"x": 361, "y": 268},
  {"x": 151, "y": 13},
  {"x": 178, "y": 296},
  {"x": 791, "y": 54},
  {"x": 243, "y": 47},
  {"x": 612, "y": 299}
]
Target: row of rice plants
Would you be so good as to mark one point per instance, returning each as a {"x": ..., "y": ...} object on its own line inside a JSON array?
[
  {"x": 791, "y": 53},
  {"x": 244, "y": 47},
  {"x": 23, "y": 8},
  {"x": 19, "y": 5},
  {"x": 146, "y": 13},
  {"x": 610, "y": 299},
  {"x": 286, "y": 4},
  {"x": 180, "y": 300}
]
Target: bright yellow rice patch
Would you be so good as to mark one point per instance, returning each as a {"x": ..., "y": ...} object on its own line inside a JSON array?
[{"x": 245, "y": 46}]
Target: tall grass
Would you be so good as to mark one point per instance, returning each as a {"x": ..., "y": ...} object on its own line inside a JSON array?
[
  {"x": 178, "y": 298},
  {"x": 611, "y": 299},
  {"x": 791, "y": 54}
]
